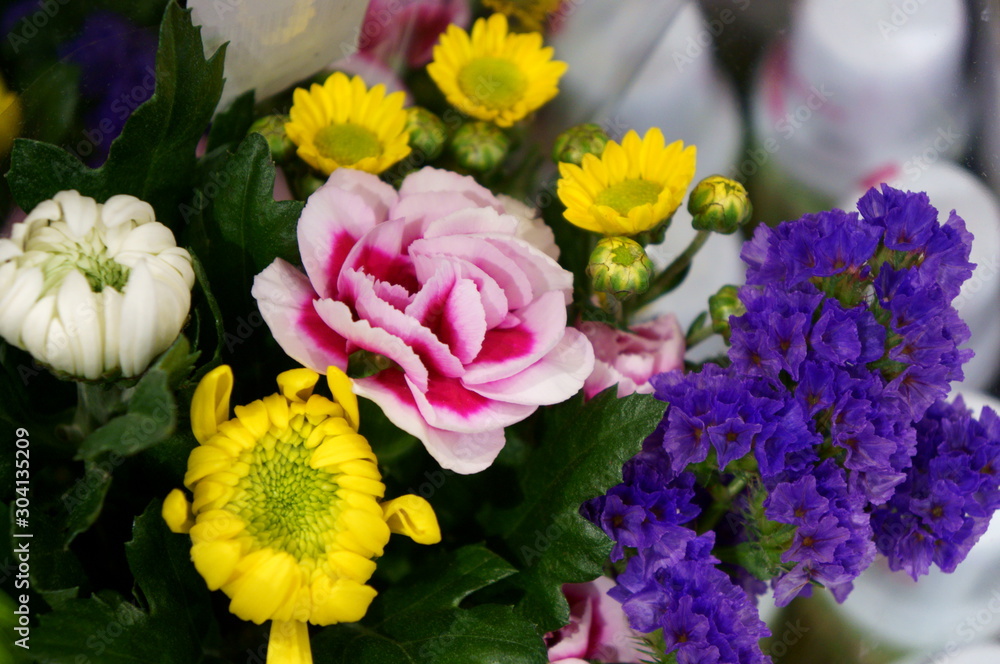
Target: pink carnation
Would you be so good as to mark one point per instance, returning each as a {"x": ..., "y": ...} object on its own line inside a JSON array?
[
  {"x": 598, "y": 628},
  {"x": 408, "y": 28},
  {"x": 435, "y": 279},
  {"x": 630, "y": 359}
]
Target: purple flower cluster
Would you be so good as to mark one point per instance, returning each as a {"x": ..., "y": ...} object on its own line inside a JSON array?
[
  {"x": 806, "y": 438},
  {"x": 949, "y": 495},
  {"x": 672, "y": 582}
]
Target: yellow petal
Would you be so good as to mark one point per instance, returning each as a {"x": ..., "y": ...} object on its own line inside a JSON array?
[
  {"x": 337, "y": 601},
  {"x": 343, "y": 393},
  {"x": 414, "y": 517},
  {"x": 277, "y": 410},
  {"x": 205, "y": 460},
  {"x": 216, "y": 525},
  {"x": 297, "y": 384},
  {"x": 289, "y": 643},
  {"x": 370, "y": 530},
  {"x": 176, "y": 511},
  {"x": 341, "y": 449},
  {"x": 254, "y": 417},
  {"x": 210, "y": 404},
  {"x": 352, "y": 566},
  {"x": 264, "y": 581},
  {"x": 216, "y": 561}
]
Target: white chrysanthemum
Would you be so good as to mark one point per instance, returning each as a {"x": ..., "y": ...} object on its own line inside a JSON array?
[{"x": 93, "y": 290}]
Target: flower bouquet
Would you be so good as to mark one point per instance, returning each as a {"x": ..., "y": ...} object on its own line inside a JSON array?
[{"x": 246, "y": 343}]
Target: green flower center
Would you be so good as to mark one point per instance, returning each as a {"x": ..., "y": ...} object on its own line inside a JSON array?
[
  {"x": 495, "y": 83},
  {"x": 628, "y": 194},
  {"x": 347, "y": 143},
  {"x": 287, "y": 505},
  {"x": 101, "y": 271}
]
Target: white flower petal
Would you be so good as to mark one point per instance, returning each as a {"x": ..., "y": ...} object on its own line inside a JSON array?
[
  {"x": 9, "y": 249},
  {"x": 112, "y": 311},
  {"x": 18, "y": 300},
  {"x": 57, "y": 352},
  {"x": 121, "y": 209},
  {"x": 138, "y": 320},
  {"x": 148, "y": 239},
  {"x": 35, "y": 330},
  {"x": 77, "y": 306},
  {"x": 79, "y": 212}
]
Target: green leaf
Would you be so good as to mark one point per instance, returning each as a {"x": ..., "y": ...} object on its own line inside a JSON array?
[
  {"x": 243, "y": 229},
  {"x": 85, "y": 499},
  {"x": 154, "y": 157},
  {"x": 423, "y": 621},
  {"x": 231, "y": 125},
  {"x": 583, "y": 447},
  {"x": 150, "y": 419},
  {"x": 111, "y": 630},
  {"x": 50, "y": 105},
  {"x": 248, "y": 229}
]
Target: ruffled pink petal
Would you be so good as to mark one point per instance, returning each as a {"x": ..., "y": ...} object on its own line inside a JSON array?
[
  {"x": 421, "y": 210},
  {"x": 378, "y": 195},
  {"x": 430, "y": 180},
  {"x": 453, "y": 310},
  {"x": 506, "y": 272},
  {"x": 381, "y": 253},
  {"x": 447, "y": 404},
  {"x": 601, "y": 378},
  {"x": 380, "y": 314},
  {"x": 544, "y": 273},
  {"x": 491, "y": 296},
  {"x": 462, "y": 453},
  {"x": 285, "y": 299},
  {"x": 507, "y": 351},
  {"x": 331, "y": 223},
  {"x": 376, "y": 340},
  {"x": 473, "y": 221},
  {"x": 556, "y": 377}
]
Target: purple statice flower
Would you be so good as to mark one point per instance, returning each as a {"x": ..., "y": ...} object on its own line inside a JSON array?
[
  {"x": 807, "y": 439},
  {"x": 950, "y": 492},
  {"x": 649, "y": 506},
  {"x": 704, "y": 616},
  {"x": 117, "y": 73}
]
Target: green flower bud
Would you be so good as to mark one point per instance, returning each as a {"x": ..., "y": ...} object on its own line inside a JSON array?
[
  {"x": 480, "y": 146},
  {"x": 620, "y": 267},
  {"x": 719, "y": 204},
  {"x": 272, "y": 128},
  {"x": 427, "y": 132},
  {"x": 722, "y": 305},
  {"x": 577, "y": 141}
]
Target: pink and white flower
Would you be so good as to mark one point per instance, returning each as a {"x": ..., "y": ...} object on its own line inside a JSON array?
[
  {"x": 435, "y": 279},
  {"x": 408, "y": 28},
  {"x": 630, "y": 359},
  {"x": 598, "y": 628}
]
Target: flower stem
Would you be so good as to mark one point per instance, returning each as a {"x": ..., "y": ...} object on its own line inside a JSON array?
[
  {"x": 673, "y": 275},
  {"x": 722, "y": 501}
]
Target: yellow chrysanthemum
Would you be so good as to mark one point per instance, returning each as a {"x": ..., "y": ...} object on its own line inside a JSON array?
[
  {"x": 493, "y": 75},
  {"x": 531, "y": 13},
  {"x": 630, "y": 188},
  {"x": 343, "y": 124},
  {"x": 286, "y": 515}
]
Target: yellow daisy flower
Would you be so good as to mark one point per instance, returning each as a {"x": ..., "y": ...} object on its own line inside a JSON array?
[
  {"x": 531, "y": 13},
  {"x": 492, "y": 75},
  {"x": 343, "y": 124},
  {"x": 630, "y": 188},
  {"x": 286, "y": 515}
]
